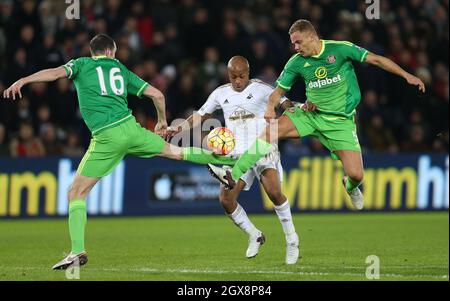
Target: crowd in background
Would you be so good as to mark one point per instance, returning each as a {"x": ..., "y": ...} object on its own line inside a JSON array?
[{"x": 182, "y": 47}]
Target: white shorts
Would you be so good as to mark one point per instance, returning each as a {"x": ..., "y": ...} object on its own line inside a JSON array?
[{"x": 269, "y": 161}]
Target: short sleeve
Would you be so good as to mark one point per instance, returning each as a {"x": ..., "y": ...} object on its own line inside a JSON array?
[
  {"x": 136, "y": 85},
  {"x": 354, "y": 52},
  {"x": 289, "y": 75},
  {"x": 210, "y": 105},
  {"x": 72, "y": 68}
]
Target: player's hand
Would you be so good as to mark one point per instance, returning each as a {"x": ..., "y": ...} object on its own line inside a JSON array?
[
  {"x": 161, "y": 129},
  {"x": 172, "y": 131},
  {"x": 14, "y": 90},
  {"x": 308, "y": 106},
  {"x": 270, "y": 114},
  {"x": 415, "y": 81}
]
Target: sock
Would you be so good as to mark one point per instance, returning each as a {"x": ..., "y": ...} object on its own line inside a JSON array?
[
  {"x": 351, "y": 185},
  {"x": 284, "y": 215},
  {"x": 77, "y": 222},
  {"x": 203, "y": 156},
  {"x": 240, "y": 219},
  {"x": 258, "y": 149}
]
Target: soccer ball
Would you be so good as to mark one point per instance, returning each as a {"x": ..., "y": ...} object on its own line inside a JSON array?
[{"x": 221, "y": 141}]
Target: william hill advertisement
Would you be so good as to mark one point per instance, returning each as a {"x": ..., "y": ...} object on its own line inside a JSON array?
[{"x": 38, "y": 187}]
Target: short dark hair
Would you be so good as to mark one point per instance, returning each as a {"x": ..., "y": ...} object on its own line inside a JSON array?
[
  {"x": 302, "y": 25},
  {"x": 100, "y": 43}
]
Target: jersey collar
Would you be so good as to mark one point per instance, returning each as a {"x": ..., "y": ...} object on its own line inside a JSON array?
[
  {"x": 321, "y": 51},
  {"x": 99, "y": 57}
]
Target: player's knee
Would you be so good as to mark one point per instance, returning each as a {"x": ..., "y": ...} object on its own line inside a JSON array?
[
  {"x": 77, "y": 192},
  {"x": 276, "y": 197},
  {"x": 226, "y": 200},
  {"x": 356, "y": 175}
]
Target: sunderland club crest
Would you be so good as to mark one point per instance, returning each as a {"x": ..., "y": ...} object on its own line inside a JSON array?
[{"x": 331, "y": 59}]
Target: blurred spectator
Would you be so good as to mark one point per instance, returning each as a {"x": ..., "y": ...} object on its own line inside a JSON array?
[
  {"x": 210, "y": 71},
  {"x": 72, "y": 147},
  {"x": 4, "y": 148},
  {"x": 26, "y": 144},
  {"x": 416, "y": 141},
  {"x": 379, "y": 137},
  {"x": 51, "y": 144}
]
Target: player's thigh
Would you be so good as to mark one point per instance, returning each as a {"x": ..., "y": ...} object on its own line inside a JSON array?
[
  {"x": 271, "y": 182},
  {"x": 144, "y": 143},
  {"x": 103, "y": 155},
  {"x": 352, "y": 162},
  {"x": 231, "y": 195},
  {"x": 81, "y": 186},
  {"x": 296, "y": 123}
]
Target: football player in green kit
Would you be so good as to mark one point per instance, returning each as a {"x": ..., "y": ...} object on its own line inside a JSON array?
[
  {"x": 102, "y": 84},
  {"x": 331, "y": 85}
]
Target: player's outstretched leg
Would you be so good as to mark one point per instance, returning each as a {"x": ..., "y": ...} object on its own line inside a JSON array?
[
  {"x": 271, "y": 184},
  {"x": 354, "y": 170},
  {"x": 228, "y": 199},
  {"x": 77, "y": 221},
  {"x": 195, "y": 155}
]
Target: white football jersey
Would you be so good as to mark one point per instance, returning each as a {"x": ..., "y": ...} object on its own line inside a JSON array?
[{"x": 243, "y": 111}]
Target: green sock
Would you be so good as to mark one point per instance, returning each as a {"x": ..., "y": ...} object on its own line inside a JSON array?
[
  {"x": 203, "y": 156},
  {"x": 77, "y": 222},
  {"x": 351, "y": 185},
  {"x": 258, "y": 149}
]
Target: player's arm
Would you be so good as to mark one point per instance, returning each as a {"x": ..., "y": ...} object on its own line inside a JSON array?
[
  {"x": 46, "y": 75},
  {"x": 274, "y": 101},
  {"x": 286, "y": 105},
  {"x": 191, "y": 122},
  {"x": 306, "y": 106},
  {"x": 160, "y": 104},
  {"x": 388, "y": 65}
]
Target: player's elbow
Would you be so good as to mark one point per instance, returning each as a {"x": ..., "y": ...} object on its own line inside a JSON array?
[{"x": 154, "y": 94}]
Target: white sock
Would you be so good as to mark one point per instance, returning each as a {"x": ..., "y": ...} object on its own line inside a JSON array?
[
  {"x": 240, "y": 219},
  {"x": 284, "y": 214}
]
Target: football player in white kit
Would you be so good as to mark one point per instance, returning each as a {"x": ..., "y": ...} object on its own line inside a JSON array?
[{"x": 243, "y": 102}]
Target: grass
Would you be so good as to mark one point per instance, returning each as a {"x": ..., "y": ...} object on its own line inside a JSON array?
[{"x": 410, "y": 246}]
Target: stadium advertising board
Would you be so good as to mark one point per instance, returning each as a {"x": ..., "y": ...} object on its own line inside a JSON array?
[{"x": 38, "y": 187}]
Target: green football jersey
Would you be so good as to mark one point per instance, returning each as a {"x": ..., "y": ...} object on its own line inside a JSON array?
[
  {"x": 102, "y": 85},
  {"x": 329, "y": 77}
]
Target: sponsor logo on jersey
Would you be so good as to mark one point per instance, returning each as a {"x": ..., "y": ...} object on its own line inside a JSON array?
[
  {"x": 321, "y": 72},
  {"x": 250, "y": 96},
  {"x": 241, "y": 114},
  {"x": 306, "y": 65},
  {"x": 226, "y": 101},
  {"x": 331, "y": 59},
  {"x": 324, "y": 82}
]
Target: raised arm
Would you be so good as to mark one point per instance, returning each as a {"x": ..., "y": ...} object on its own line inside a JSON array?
[
  {"x": 46, "y": 75},
  {"x": 388, "y": 65}
]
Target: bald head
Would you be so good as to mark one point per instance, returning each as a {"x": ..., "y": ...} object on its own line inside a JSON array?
[
  {"x": 238, "y": 72},
  {"x": 238, "y": 63}
]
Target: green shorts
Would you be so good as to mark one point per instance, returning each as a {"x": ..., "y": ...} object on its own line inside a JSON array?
[
  {"x": 334, "y": 132},
  {"x": 110, "y": 146}
]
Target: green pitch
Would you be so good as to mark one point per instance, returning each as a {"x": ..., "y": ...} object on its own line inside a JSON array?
[{"x": 410, "y": 246}]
